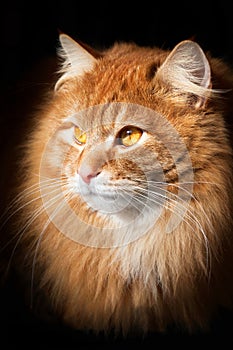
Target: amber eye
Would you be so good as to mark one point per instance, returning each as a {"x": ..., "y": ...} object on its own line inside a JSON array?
[
  {"x": 80, "y": 136},
  {"x": 129, "y": 135}
]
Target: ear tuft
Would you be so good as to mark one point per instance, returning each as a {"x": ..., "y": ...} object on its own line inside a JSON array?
[
  {"x": 76, "y": 60},
  {"x": 187, "y": 70}
]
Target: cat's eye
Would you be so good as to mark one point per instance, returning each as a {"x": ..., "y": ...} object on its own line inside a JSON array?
[
  {"x": 79, "y": 135},
  {"x": 129, "y": 135}
]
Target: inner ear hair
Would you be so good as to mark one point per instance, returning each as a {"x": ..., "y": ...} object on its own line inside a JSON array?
[
  {"x": 76, "y": 59},
  {"x": 187, "y": 70}
]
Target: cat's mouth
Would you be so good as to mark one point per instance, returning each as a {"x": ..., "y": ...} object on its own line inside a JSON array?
[
  {"x": 116, "y": 198},
  {"x": 101, "y": 196}
]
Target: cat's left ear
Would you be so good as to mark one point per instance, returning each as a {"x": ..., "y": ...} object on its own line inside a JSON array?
[
  {"x": 76, "y": 59},
  {"x": 187, "y": 71}
]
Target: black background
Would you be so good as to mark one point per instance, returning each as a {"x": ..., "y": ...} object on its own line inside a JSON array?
[
  {"x": 29, "y": 33},
  {"x": 30, "y": 28}
]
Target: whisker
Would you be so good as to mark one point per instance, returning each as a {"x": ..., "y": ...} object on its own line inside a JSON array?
[
  {"x": 189, "y": 218},
  {"x": 175, "y": 202},
  {"x": 30, "y": 220},
  {"x": 190, "y": 194},
  {"x": 50, "y": 219},
  {"x": 32, "y": 190}
]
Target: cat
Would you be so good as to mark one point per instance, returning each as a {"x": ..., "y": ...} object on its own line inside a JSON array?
[{"x": 121, "y": 216}]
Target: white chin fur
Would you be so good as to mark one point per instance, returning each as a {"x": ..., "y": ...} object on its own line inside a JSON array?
[{"x": 118, "y": 205}]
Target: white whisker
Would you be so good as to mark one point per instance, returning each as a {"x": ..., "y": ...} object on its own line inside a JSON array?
[
  {"x": 50, "y": 219},
  {"x": 33, "y": 216},
  {"x": 32, "y": 190},
  {"x": 176, "y": 205},
  {"x": 41, "y": 196}
]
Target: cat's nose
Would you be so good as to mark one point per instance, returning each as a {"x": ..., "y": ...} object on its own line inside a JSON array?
[{"x": 87, "y": 173}]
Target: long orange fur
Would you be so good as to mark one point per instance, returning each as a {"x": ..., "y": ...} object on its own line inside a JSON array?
[{"x": 161, "y": 278}]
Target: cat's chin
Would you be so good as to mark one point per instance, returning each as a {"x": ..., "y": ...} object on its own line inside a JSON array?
[
  {"x": 124, "y": 213},
  {"x": 115, "y": 203},
  {"x": 110, "y": 204}
]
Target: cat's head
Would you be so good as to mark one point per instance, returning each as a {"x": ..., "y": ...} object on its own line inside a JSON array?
[
  {"x": 121, "y": 146},
  {"x": 125, "y": 72}
]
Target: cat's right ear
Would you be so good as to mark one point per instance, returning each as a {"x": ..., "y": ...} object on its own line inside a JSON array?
[
  {"x": 187, "y": 71},
  {"x": 76, "y": 59}
]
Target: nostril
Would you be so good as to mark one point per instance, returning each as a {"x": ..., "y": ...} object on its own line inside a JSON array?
[
  {"x": 87, "y": 174},
  {"x": 88, "y": 178}
]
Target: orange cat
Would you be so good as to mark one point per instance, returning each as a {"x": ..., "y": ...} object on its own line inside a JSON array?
[{"x": 123, "y": 216}]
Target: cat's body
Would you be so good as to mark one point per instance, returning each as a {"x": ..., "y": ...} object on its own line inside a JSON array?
[{"x": 141, "y": 130}]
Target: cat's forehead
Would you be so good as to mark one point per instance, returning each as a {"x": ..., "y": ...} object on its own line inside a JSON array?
[
  {"x": 106, "y": 117},
  {"x": 125, "y": 72},
  {"x": 130, "y": 61},
  {"x": 130, "y": 53}
]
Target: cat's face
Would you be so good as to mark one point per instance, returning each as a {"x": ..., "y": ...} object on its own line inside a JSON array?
[
  {"x": 120, "y": 163},
  {"x": 117, "y": 161}
]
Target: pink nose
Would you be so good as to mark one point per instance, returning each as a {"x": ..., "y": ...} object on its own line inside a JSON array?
[{"x": 87, "y": 173}]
